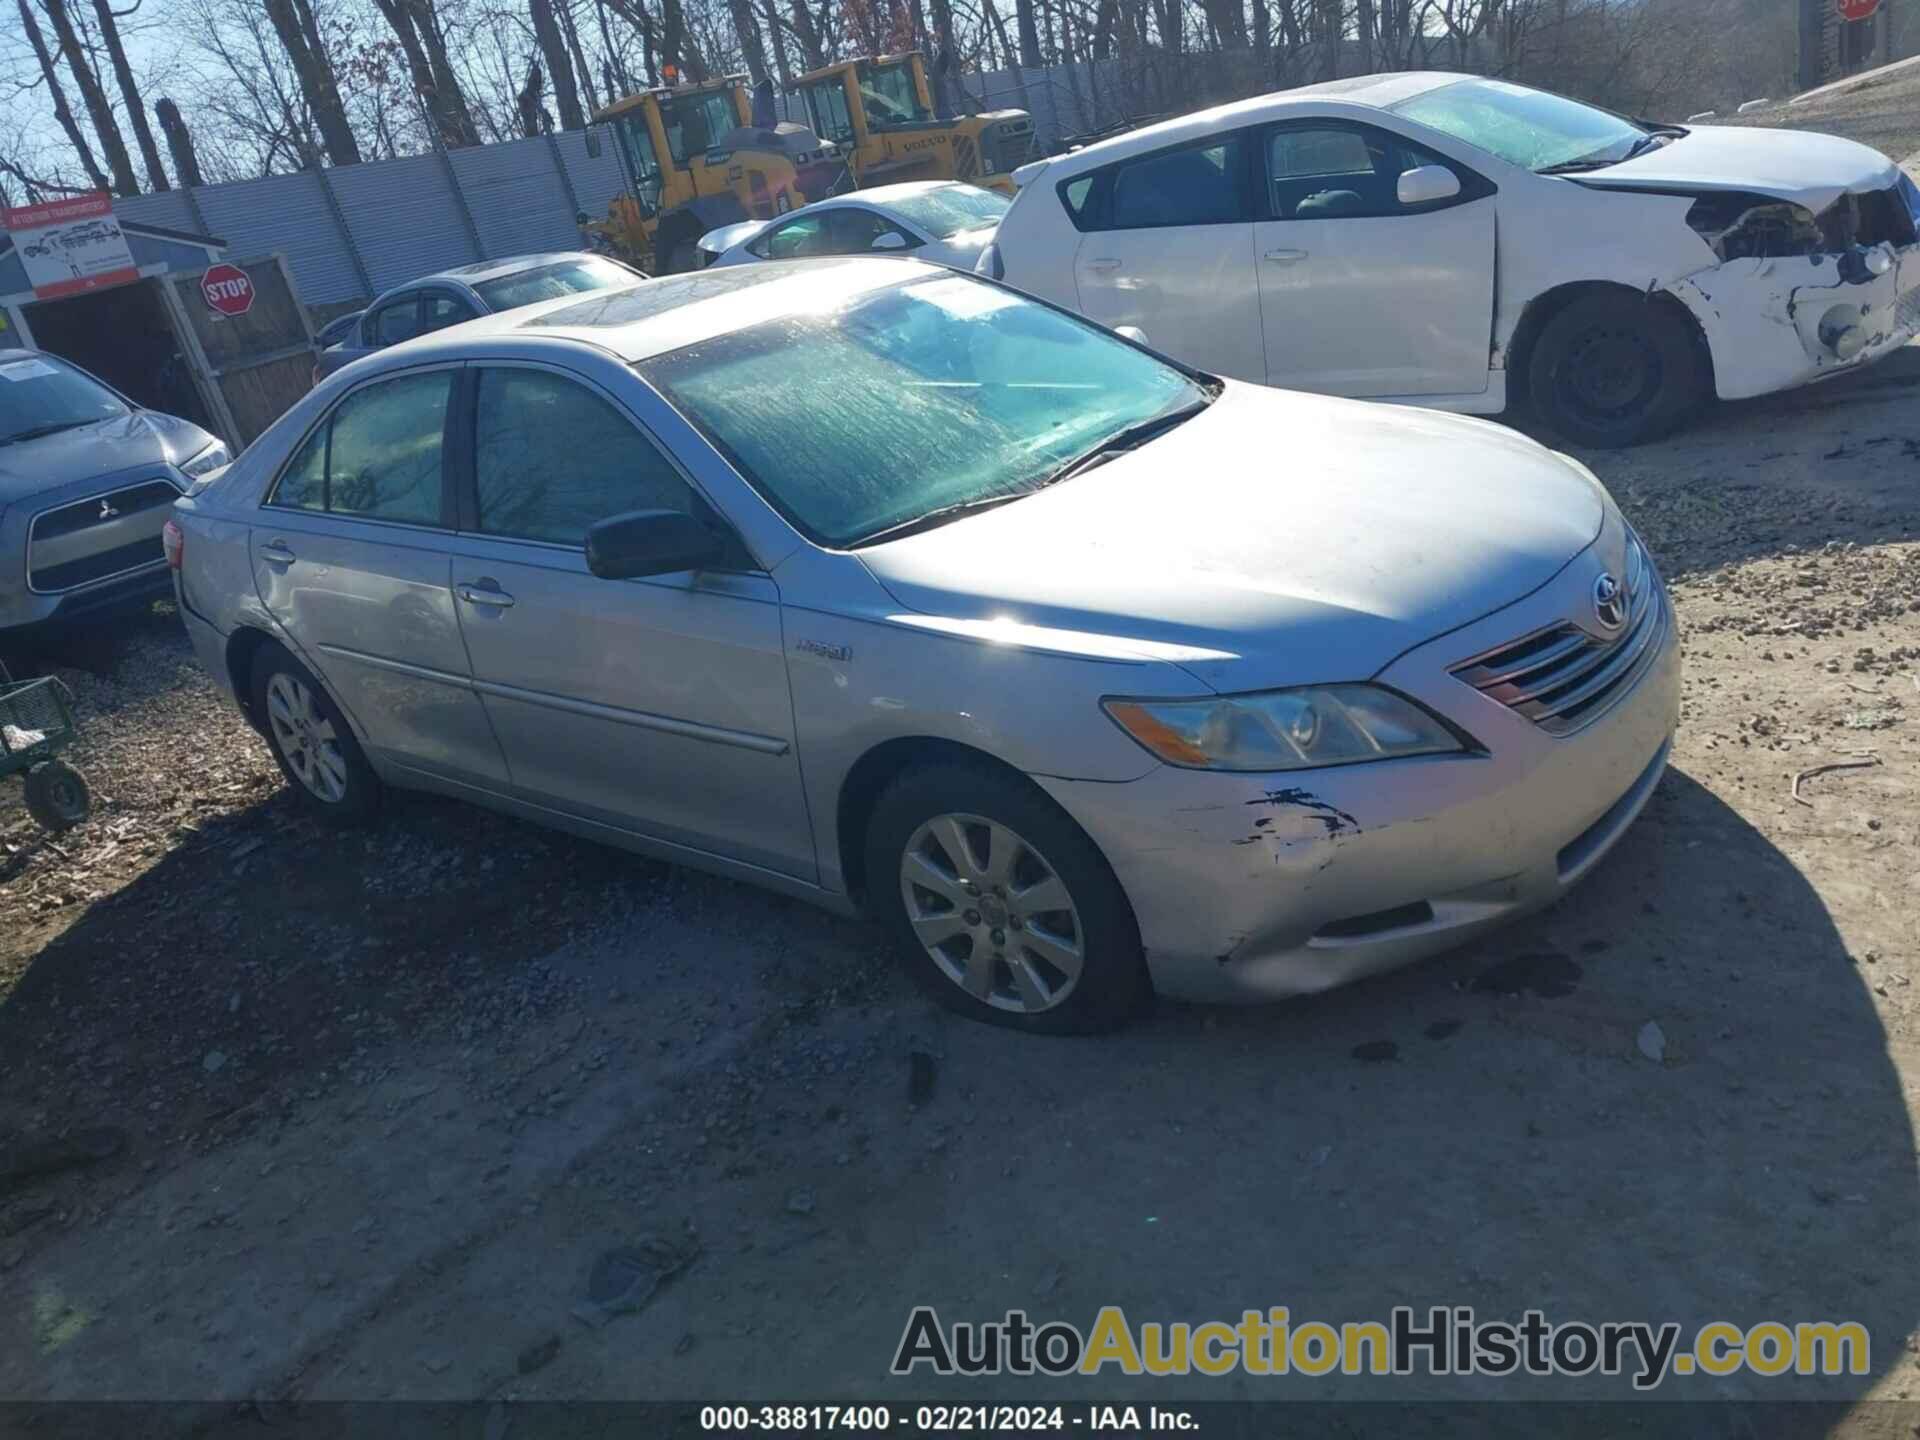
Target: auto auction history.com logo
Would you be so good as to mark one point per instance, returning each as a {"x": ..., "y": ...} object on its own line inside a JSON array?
[{"x": 1447, "y": 1340}]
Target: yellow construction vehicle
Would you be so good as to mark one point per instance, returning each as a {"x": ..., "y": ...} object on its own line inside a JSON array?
[
  {"x": 694, "y": 160},
  {"x": 880, "y": 114}
]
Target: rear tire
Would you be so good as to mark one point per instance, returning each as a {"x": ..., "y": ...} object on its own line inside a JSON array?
[
  {"x": 311, "y": 741},
  {"x": 1611, "y": 370},
  {"x": 1000, "y": 906},
  {"x": 57, "y": 796}
]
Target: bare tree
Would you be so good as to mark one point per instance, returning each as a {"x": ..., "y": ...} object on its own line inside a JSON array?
[
  {"x": 62, "y": 112},
  {"x": 553, "y": 49},
  {"x": 94, "y": 96},
  {"x": 186, "y": 163},
  {"x": 109, "y": 22},
  {"x": 299, "y": 33},
  {"x": 416, "y": 25}
]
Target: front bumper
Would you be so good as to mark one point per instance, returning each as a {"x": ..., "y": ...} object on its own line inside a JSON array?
[
  {"x": 1771, "y": 323},
  {"x": 1265, "y": 886}
]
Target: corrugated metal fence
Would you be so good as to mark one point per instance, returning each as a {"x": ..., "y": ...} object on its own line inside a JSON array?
[{"x": 350, "y": 232}]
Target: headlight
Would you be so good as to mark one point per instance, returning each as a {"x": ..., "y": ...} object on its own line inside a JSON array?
[
  {"x": 1284, "y": 729},
  {"x": 211, "y": 458}
]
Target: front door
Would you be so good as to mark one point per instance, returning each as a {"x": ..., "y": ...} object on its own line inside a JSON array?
[
  {"x": 352, "y": 554},
  {"x": 1169, "y": 250},
  {"x": 1359, "y": 294},
  {"x": 660, "y": 705}
]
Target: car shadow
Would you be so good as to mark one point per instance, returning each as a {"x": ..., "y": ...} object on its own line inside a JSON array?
[{"x": 1499, "y": 1128}]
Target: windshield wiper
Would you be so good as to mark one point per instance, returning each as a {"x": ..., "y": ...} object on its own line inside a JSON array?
[
  {"x": 935, "y": 518},
  {"x": 36, "y": 431},
  {"x": 1131, "y": 437},
  {"x": 1652, "y": 140}
]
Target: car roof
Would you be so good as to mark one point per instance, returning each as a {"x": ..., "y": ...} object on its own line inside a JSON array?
[
  {"x": 482, "y": 271},
  {"x": 1374, "y": 91},
  {"x": 655, "y": 316}
]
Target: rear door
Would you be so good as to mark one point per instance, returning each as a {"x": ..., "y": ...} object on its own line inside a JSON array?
[
  {"x": 352, "y": 553},
  {"x": 1168, "y": 248},
  {"x": 1359, "y": 294},
  {"x": 660, "y": 705}
]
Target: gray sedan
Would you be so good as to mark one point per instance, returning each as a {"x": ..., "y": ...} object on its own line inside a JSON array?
[
  {"x": 435, "y": 302},
  {"x": 1086, "y": 674},
  {"x": 86, "y": 479}
]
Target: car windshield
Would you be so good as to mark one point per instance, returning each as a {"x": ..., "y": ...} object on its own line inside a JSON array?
[
  {"x": 41, "y": 396},
  {"x": 1529, "y": 128},
  {"x": 550, "y": 282},
  {"x": 946, "y": 393},
  {"x": 945, "y": 212}
]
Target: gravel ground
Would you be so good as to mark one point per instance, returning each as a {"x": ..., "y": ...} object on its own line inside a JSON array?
[{"x": 289, "y": 1115}]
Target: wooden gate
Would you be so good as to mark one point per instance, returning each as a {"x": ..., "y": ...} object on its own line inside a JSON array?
[{"x": 258, "y": 362}]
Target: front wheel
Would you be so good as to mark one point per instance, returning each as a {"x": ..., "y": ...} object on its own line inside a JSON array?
[
  {"x": 57, "y": 796},
  {"x": 1001, "y": 907},
  {"x": 1614, "y": 370}
]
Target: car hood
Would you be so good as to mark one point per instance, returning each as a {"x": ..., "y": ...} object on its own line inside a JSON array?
[
  {"x": 1277, "y": 538},
  {"x": 146, "y": 437},
  {"x": 1797, "y": 165}
]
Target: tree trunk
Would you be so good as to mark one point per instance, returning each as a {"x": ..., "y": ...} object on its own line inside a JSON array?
[
  {"x": 453, "y": 99},
  {"x": 186, "y": 164},
  {"x": 553, "y": 49},
  {"x": 676, "y": 46},
  {"x": 1029, "y": 27},
  {"x": 747, "y": 25},
  {"x": 583, "y": 72},
  {"x": 299, "y": 35},
  {"x": 813, "y": 53},
  {"x": 1103, "y": 23},
  {"x": 532, "y": 113},
  {"x": 99, "y": 108},
  {"x": 778, "y": 41},
  {"x": 61, "y": 112},
  {"x": 433, "y": 78},
  {"x": 130, "y": 94}
]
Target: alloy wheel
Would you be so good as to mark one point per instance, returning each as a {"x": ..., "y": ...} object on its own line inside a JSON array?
[
  {"x": 306, "y": 739},
  {"x": 992, "y": 912}
]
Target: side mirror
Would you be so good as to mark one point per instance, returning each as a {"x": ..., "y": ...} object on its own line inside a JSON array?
[
  {"x": 593, "y": 142},
  {"x": 650, "y": 542},
  {"x": 890, "y": 240},
  {"x": 1425, "y": 184}
]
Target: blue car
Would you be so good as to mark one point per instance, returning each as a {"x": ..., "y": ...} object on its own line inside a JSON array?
[{"x": 87, "y": 479}]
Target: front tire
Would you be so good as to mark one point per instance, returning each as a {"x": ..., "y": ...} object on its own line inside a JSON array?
[
  {"x": 1001, "y": 908},
  {"x": 1612, "y": 370},
  {"x": 311, "y": 741}
]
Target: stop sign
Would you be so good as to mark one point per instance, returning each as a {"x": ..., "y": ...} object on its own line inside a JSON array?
[
  {"x": 228, "y": 289},
  {"x": 1857, "y": 9}
]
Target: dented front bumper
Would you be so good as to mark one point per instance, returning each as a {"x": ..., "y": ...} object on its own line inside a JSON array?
[
  {"x": 1776, "y": 322},
  {"x": 1250, "y": 886}
]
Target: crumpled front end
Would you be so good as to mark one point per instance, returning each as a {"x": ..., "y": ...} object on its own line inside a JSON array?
[{"x": 1799, "y": 296}]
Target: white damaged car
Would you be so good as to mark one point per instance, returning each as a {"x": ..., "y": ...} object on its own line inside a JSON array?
[{"x": 1459, "y": 242}]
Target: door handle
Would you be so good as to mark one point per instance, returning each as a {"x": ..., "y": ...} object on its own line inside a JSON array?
[
  {"x": 275, "y": 552},
  {"x": 1285, "y": 257},
  {"x": 485, "y": 593},
  {"x": 1103, "y": 264}
]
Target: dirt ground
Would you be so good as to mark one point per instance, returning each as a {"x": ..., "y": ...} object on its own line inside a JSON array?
[{"x": 366, "y": 1108}]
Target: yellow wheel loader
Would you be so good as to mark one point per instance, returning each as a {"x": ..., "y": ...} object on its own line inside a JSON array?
[
  {"x": 694, "y": 160},
  {"x": 880, "y": 114}
]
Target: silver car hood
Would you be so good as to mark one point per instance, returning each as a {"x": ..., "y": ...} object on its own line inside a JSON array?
[
  {"x": 144, "y": 437},
  {"x": 1277, "y": 538},
  {"x": 1808, "y": 169}
]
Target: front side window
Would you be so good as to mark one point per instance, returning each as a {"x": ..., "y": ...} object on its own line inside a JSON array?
[
  {"x": 396, "y": 322},
  {"x": 636, "y": 143},
  {"x": 552, "y": 459},
  {"x": 827, "y": 104},
  {"x": 890, "y": 96},
  {"x": 444, "y": 310},
  {"x": 550, "y": 282},
  {"x": 795, "y": 240},
  {"x": 947, "y": 392},
  {"x": 696, "y": 124},
  {"x": 1528, "y": 128},
  {"x": 951, "y": 209},
  {"x": 41, "y": 396},
  {"x": 1196, "y": 186},
  {"x": 377, "y": 456},
  {"x": 855, "y": 230},
  {"x": 1341, "y": 172}
]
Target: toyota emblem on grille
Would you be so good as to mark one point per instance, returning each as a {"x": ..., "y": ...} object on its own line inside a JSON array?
[{"x": 1609, "y": 603}]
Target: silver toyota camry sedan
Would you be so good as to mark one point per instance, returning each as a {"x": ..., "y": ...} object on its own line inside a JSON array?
[{"x": 1087, "y": 675}]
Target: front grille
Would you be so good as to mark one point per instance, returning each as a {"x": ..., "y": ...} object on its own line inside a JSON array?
[
  {"x": 966, "y": 160},
  {"x": 99, "y": 537},
  {"x": 1565, "y": 677}
]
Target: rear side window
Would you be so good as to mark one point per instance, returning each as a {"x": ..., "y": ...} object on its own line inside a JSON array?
[
  {"x": 391, "y": 324},
  {"x": 1199, "y": 185},
  {"x": 378, "y": 456},
  {"x": 552, "y": 459}
]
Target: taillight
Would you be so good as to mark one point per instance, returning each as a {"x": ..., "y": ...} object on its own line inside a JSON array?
[{"x": 174, "y": 541}]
